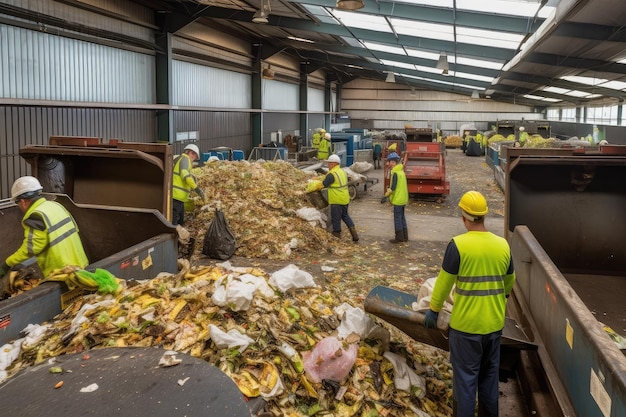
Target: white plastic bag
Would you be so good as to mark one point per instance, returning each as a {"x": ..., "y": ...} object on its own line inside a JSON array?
[
  {"x": 291, "y": 277},
  {"x": 404, "y": 377},
  {"x": 229, "y": 340},
  {"x": 237, "y": 292},
  {"x": 313, "y": 216}
]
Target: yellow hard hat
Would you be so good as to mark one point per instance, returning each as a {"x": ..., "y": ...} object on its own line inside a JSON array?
[
  {"x": 393, "y": 147},
  {"x": 474, "y": 203}
]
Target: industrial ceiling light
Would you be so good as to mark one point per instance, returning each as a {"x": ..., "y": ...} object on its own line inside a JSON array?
[
  {"x": 260, "y": 16},
  {"x": 475, "y": 94},
  {"x": 442, "y": 63},
  {"x": 350, "y": 4},
  {"x": 390, "y": 78},
  {"x": 268, "y": 73}
]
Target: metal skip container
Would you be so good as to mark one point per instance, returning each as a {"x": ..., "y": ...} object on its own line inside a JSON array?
[
  {"x": 565, "y": 219},
  {"x": 131, "y": 241}
]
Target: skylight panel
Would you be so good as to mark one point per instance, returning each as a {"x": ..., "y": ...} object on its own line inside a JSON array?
[
  {"x": 384, "y": 48},
  {"x": 523, "y": 8},
  {"x": 488, "y": 37},
  {"x": 437, "y": 3},
  {"x": 584, "y": 80},
  {"x": 423, "y": 29},
  {"x": 473, "y": 76},
  {"x": 417, "y": 53},
  {"x": 614, "y": 85},
  {"x": 363, "y": 21},
  {"x": 432, "y": 70},
  {"x": 555, "y": 90},
  {"x": 576, "y": 93},
  {"x": 397, "y": 64},
  {"x": 480, "y": 63},
  {"x": 533, "y": 97}
]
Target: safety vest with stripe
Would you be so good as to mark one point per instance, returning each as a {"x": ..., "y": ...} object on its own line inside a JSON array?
[
  {"x": 399, "y": 196},
  {"x": 482, "y": 283},
  {"x": 338, "y": 190},
  {"x": 57, "y": 246},
  {"x": 323, "y": 151},
  {"x": 183, "y": 182}
]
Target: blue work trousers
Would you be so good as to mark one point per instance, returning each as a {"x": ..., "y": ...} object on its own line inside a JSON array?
[
  {"x": 399, "y": 220},
  {"x": 475, "y": 363},
  {"x": 339, "y": 212}
]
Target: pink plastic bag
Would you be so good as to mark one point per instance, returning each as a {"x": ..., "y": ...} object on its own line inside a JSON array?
[{"x": 330, "y": 359}]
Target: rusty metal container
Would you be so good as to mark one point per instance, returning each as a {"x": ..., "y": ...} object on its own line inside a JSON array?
[{"x": 124, "y": 174}]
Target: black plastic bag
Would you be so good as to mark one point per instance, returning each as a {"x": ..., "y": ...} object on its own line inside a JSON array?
[{"x": 219, "y": 242}]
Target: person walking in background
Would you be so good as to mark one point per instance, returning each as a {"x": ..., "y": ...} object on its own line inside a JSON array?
[
  {"x": 338, "y": 197},
  {"x": 184, "y": 182},
  {"x": 377, "y": 152},
  {"x": 50, "y": 232},
  {"x": 480, "y": 264},
  {"x": 398, "y": 195}
]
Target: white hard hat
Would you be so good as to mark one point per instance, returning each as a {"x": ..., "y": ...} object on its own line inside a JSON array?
[
  {"x": 25, "y": 187},
  {"x": 213, "y": 158},
  {"x": 327, "y": 136},
  {"x": 192, "y": 147},
  {"x": 334, "y": 158},
  {"x": 521, "y": 129}
]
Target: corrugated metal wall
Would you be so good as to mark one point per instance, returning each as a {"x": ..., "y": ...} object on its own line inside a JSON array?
[
  {"x": 215, "y": 129},
  {"x": 40, "y": 66},
  {"x": 315, "y": 99},
  {"x": 390, "y": 106},
  {"x": 201, "y": 86},
  {"x": 22, "y": 126},
  {"x": 278, "y": 95}
]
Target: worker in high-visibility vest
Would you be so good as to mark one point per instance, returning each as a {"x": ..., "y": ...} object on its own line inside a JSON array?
[
  {"x": 479, "y": 265},
  {"x": 323, "y": 150},
  {"x": 183, "y": 182},
  {"x": 50, "y": 233}
]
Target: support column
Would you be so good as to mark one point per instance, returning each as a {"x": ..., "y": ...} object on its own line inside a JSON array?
[
  {"x": 165, "y": 118},
  {"x": 304, "y": 103}
]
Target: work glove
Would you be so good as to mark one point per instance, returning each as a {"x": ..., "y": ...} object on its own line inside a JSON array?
[
  {"x": 384, "y": 200},
  {"x": 200, "y": 192},
  {"x": 430, "y": 321}
]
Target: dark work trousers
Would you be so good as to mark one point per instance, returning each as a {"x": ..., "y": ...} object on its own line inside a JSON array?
[
  {"x": 339, "y": 212},
  {"x": 399, "y": 220},
  {"x": 178, "y": 213},
  {"x": 475, "y": 363}
]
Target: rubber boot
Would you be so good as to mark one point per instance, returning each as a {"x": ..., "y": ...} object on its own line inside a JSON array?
[
  {"x": 405, "y": 233},
  {"x": 355, "y": 235},
  {"x": 337, "y": 234},
  {"x": 399, "y": 237}
]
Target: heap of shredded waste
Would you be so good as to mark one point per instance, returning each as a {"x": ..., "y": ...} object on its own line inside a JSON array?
[
  {"x": 260, "y": 201},
  {"x": 269, "y": 335}
]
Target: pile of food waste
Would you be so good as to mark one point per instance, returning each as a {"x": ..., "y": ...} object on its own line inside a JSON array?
[
  {"x": 262, "y": 202},
  {"x": 279, "y": 336}
]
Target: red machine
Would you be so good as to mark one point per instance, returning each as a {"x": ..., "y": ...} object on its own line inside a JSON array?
[{"x": 424, "y": 165}]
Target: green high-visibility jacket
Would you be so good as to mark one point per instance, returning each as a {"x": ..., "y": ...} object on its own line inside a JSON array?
[
  {"x": 323, "y": 151},
  {"x": 50, "y": 234},
  {"x": 484, "y": 278},
  {"x": 338, "y": 190},
  {"x": 400, "y": 194},
  {"x": 183, "y": 182}
]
